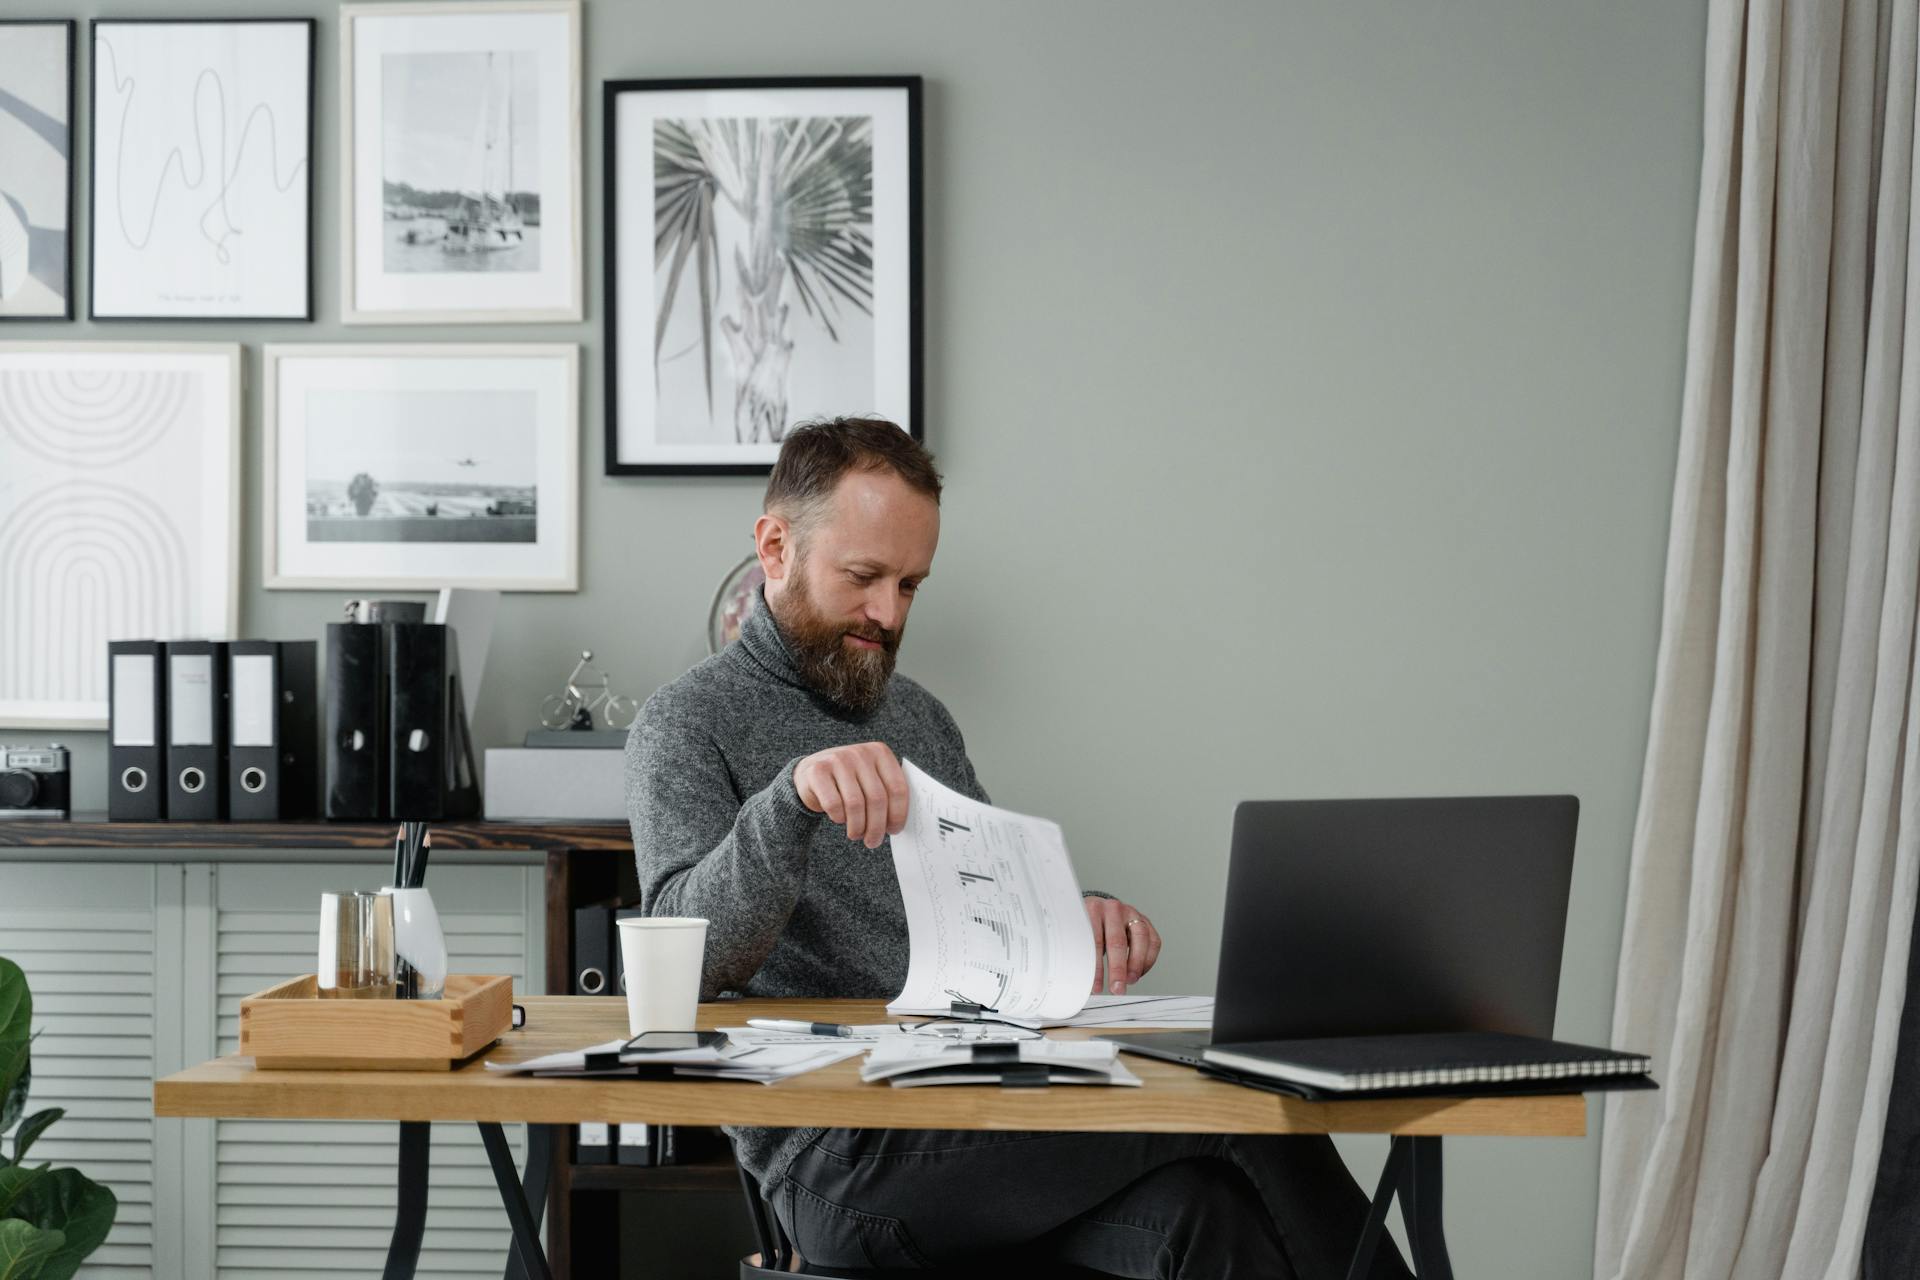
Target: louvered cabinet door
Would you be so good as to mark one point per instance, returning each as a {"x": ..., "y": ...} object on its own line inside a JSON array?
[
  {"x": 312, "y": 1198},
  {"x": 90, "y": 939}
]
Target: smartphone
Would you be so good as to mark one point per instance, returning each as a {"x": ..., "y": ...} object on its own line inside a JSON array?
[{"x": 667, "y": 1041}]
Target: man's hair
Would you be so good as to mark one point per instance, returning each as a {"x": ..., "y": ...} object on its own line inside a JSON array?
[{"x": 817, "y": 455}]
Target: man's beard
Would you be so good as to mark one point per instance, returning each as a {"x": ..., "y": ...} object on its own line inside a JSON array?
[{"x": 843, "y": 674}]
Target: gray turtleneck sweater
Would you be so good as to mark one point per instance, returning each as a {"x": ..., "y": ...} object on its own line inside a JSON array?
[{"x": 794, "y": 908}]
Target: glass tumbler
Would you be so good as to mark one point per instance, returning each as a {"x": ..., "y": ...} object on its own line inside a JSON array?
[{"x": 356, "y": 947}]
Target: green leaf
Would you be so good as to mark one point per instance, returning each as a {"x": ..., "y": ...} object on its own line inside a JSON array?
[
  {"x": 26, "y": 1250},
  {"x": 75, "y": 1207},
  {"x": 32, "y": 1127},
  {"x": 15, "y": 1182},
  {"x": 16, "y": 1076},
  {"x": 16, "y": 1001}
]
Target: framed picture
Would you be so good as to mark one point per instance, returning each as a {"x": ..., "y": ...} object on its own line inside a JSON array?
[
  {"x": 202, "y": 169},
  {"x": 460, "y": 149},
  {"x": 763, "y": 265},
  {"x": 119, "y": 513},
  {"x": 36, "y": 170},
  {"x": 422, "y": 466}
]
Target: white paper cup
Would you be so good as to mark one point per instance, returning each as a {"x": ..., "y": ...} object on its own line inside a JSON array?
[{"x": 661, "y": 956}]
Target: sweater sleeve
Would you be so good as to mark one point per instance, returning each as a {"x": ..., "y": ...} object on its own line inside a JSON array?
[{"x": 702, "y": 852}]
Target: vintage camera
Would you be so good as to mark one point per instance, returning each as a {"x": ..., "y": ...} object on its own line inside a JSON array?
[{"x": 33, "y": 782}]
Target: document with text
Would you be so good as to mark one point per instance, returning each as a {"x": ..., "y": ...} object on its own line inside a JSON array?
[{"x": 994, "y": 916}]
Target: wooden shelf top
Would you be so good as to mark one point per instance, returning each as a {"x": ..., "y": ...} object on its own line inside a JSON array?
[
  {"x": 1174, "y": 1099},
  {"x": 93, "y": 831}
]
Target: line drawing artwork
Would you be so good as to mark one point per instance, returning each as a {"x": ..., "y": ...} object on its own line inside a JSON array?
[{"x": 220, "y": 227}]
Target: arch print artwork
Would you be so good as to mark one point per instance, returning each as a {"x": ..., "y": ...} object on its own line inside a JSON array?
[{"x": 117, "y": 513}]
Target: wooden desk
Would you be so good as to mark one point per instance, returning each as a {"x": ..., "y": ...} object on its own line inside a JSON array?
[{"x": 1173, "y": 1100}]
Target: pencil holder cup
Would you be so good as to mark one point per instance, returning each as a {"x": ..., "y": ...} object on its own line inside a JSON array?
[
  {"x": 355, "y": 960},
  {"x": 420, "y": 948}
]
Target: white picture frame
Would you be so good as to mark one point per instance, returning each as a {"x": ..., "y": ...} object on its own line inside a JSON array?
[
  {"x": 202, "y": 146},
  {"x": 470, "y": 454},
  {"x": 460, "y": 158},
  {"x": 119, "y": 515},
  {"x": 36, "y": 169}
]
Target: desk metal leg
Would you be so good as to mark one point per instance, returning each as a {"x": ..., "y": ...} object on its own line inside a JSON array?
[
  {"x": 1390, "y": 1175},
  {"x": 410, "y": 1206},
  {"x": 1420, "y": 1208},
  {"x": 1412, "y": 1172},
  {"x": 539, "y": 1166},
  {"x": 526, "y": 1229}
]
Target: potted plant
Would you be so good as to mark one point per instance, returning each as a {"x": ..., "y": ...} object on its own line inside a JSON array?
[{"x": 50, "y": 1219}]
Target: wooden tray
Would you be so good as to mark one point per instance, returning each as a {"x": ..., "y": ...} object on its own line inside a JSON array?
[{"x": 290, "y": 1027}]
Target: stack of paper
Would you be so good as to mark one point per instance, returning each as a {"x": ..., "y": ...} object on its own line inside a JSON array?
[
  {"x": 768, "y": 1063},
  {"x": 993, "y": 909},
  {"x": 760, "y": 1063},
  {"x": 861, "y": 1035},
  {"x": 1102, "y": 1011},
  {"x": 1142, "y": 1011},
  {"x": 918, "y": 1060},
  {"x": 995, "y": 919}
]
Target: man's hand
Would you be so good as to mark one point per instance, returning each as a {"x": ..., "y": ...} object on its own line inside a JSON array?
[
  {"x": 1124, "y": 939},
  {"x": 862, "y": 788}
]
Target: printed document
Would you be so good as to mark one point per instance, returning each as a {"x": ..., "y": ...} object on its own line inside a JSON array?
[
  {"x": 761, "y": 1063},
  {"x": 994, "y": 916},
  {"x": 904, "y": 1062}
]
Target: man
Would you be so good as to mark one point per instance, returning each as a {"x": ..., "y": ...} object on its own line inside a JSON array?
[{"x": 762, "y": 786}]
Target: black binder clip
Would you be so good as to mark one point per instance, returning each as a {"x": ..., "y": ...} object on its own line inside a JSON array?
[
  {"x": 965, "y": 1010},
  {"x": 968, "y": 1009},
  {"x": 1004, "y": 1056},
  {"x": 995, "y": 1053}
]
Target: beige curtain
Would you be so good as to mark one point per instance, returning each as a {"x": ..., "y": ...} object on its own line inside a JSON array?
[{"x": 1771, "y": 903}]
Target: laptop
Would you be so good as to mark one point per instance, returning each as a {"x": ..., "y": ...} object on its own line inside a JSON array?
[{"x": 1373, "y": 917}]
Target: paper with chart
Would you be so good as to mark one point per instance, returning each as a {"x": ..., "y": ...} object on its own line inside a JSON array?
[{"x": 993, "y": 908}]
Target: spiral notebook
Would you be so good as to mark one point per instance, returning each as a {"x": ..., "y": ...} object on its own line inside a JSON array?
[{"x": 1366, "y": 1064}]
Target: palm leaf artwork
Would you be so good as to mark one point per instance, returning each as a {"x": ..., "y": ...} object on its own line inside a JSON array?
[{"x": 803, "y": 188}]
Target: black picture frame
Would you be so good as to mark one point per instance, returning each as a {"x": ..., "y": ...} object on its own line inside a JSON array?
[
  {"x": 611, "y": 92},
  {"x": 73, "y": 77},
  {"x": 93, "y": 159}
]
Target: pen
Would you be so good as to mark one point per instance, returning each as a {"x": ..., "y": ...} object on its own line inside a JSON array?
[{"x": 803, "y": 1028}]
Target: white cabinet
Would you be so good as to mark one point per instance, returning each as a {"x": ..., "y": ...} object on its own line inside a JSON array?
[
  {"x": 95, "y": 942},
  {"x": 139, "y": 970}
]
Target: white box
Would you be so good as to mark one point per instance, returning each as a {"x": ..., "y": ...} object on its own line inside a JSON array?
[{"x": 546, "y": 783}]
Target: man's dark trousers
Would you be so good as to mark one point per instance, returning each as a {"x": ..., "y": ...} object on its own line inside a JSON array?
[{"x": 1129, "y": 1204}]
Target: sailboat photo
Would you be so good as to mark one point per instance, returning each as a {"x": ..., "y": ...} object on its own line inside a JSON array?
[
  {"x": 488, "y": 221},
  {"x": 452, "y": 199}
]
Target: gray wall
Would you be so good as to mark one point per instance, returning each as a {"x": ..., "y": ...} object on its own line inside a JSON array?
[{"x": 1306, "y": 378}]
